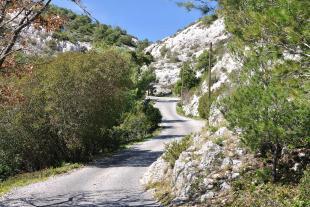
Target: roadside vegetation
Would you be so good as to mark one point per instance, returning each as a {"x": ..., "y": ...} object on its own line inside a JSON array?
[
  {"x": 268, "y": 103},
  {"x": 175, "y": 148},
  {"x": 33, "y": 177},
  {"x": 70, "y": 107}
]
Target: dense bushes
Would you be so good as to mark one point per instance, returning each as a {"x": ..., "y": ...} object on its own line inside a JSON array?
[
  {"x": 70, "y": 104},
  {"x": 137, "y": 124}
]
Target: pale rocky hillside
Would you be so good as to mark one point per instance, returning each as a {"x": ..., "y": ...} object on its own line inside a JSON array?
[
  {"x": 41, "y": 41},
  {"x": 187, "y": 45},
  {"x": 182, "y": 47}
]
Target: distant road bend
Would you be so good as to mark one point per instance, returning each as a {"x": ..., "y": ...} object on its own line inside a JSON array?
[{"x": 110, "y": 181}]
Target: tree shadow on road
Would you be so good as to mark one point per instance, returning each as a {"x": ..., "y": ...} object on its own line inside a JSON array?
[
  {"x": 173, "y": 121},
  {"x": 106, "y": 198}
]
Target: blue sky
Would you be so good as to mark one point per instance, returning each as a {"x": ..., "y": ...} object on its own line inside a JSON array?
[{"x": 151, "y": 19}]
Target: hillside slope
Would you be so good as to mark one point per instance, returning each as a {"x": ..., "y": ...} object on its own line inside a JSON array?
[
  {"x": 186, "y": 45},
  {"x": 214, "y": 166}
]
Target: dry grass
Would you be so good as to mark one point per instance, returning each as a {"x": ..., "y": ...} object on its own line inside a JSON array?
[{"x": 34, "y": 177}]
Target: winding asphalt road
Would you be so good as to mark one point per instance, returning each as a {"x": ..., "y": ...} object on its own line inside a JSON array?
[{"x": 110, "y": 181}]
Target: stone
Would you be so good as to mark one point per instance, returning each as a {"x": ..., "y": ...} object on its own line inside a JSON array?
[
  {"x": 217, "y": 176},
  {"x": 225, "y": 186},
  {"x": 210, "y": 187},
  {"x": 208, "y": 181},
  {"x": 240, "y": 152},
  {"x": 156, "y": 172},
  {"x": 236, "y": 165},
  {"x": 207, "y": 196},
  {"x": 235, "y": 175},
  {"x": 227, "y": 162},
  {"x": 221, "y": 132}
]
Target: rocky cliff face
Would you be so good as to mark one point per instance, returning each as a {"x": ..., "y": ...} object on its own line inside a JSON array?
[
  {"x": 187, "y": 44},
  {"x": 204, "y": 172},
  {"x": 39, "y": 41}
]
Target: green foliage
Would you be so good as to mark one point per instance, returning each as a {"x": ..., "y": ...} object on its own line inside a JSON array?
[
  {"x": 82, "y": 28},
  {"x": 270, "y": 110},
  {"x": 205, "y": 6},
  {"x": 141, "y": 58},
  {"x": 304, "y": 187},
  {"x": 67, "y": 111},
  {"x": 266, "y": 114},
  {"x": 52, "y": 44},
  {"x": 271, "y": 104},
  {"x": 153, "y": 115},
  {"x": 144, "y": 83},
  {"x": 208, "y": 20},
  {"x": 173, "y": 57},
  {"x": 188, "y": 76},
  {"x": 282, "y": 24},
  {"x": 137, "y": 124},
  {"x": 175, "y": 148},
  {"x": 202, "y": 62},
  {"x": 143, "y": 44},
  {"x": 204, "y": 106},
  {"x": 205, "y": 103},
  {"x": 254, "y": 189},
  {"x": 219, "y": 141}
]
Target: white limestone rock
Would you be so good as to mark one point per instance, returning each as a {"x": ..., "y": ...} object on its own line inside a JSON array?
[
  {"x": 190, "y": 42},
  {"x": 156, "y": 172}
]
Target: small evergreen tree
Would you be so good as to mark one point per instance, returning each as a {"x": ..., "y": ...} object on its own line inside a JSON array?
[
  {"x": 269, "y": 114},
  {"x": 188, "y": 77}
]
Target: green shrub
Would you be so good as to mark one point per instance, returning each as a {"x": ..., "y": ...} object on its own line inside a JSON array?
[
  {"x": 205, "y": 103},
  {"x": 219, "y": 141},
  {"x": 135, "y": 127},
  {"x": 153, "y": 115},
  {"x": 254, "y": 189},
  {"x": 138, "y": 124},
  {"x": 164, "y": 50},
  {"x": 202, "y": 62},
  {"x": 69, "y": 103},
  {"x": 175, "y": 148},
  {"x": 82, "y": 28},
  {"x": 52, "y": 44},
  {"x": 126, "y": 40},
  {"x": 208, "y": 19},
  {"x": 204, "y": 106},
  {"x": 188, "y": 77},
  {"x": 304, "y": 187}
]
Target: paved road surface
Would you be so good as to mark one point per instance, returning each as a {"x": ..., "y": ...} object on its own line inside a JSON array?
[{"x": 110, "y": 181}]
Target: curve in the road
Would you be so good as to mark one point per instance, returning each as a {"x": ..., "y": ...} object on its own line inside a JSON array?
[{"x": 110, "y": 181}]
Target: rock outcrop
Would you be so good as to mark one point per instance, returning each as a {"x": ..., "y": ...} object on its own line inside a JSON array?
[
  {"x": 203, "y": 173},
  {"x": 41, "y": 41},
  {"x": 171, "y": 52}
]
